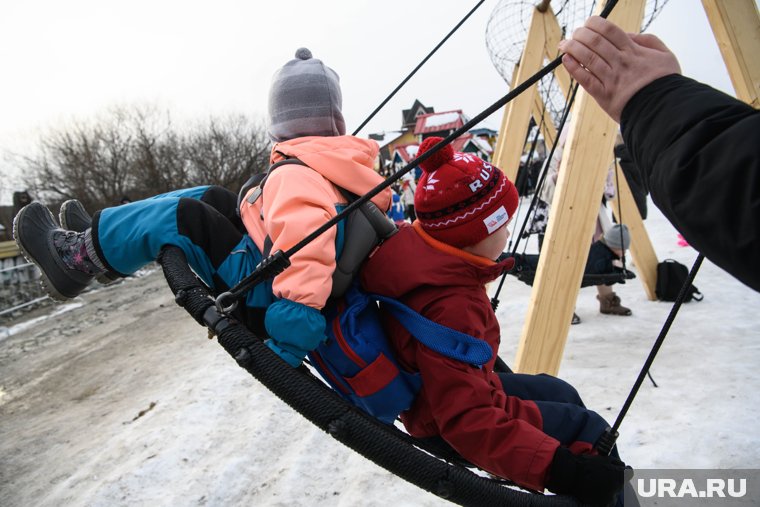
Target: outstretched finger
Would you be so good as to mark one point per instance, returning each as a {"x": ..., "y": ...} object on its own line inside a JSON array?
[
  {"x": 596, "y": 53},
  {"x": 583, "y": 76},
  {"x": 609, "y": 30}
]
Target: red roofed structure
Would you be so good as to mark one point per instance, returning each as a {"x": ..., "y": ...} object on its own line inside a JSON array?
[
  {"x": 439, "y": 124},
  {"x": 404, "y": 154},
  {"x": 398, "y": 148}
]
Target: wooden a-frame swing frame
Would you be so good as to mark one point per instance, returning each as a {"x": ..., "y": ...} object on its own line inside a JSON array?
[{"x": 585, "y": 161}]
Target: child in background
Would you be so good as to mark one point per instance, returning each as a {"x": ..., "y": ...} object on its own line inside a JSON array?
[
  {"x": 396, "y": 211},
  {"x": 603, "y": 258},
  {"x": 531, "y": 429},
  {"x": 408, "y": 188}
]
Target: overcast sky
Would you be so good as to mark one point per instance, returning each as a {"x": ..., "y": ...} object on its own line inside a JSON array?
[{"x": 75, "y": 58}]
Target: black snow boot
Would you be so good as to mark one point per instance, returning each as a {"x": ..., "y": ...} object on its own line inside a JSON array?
[
  {"x": 62, "y": 256},
  {"x": 74, "y": 217}
]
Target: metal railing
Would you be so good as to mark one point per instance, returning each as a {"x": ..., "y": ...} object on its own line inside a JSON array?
[{"x": 19, "y": 285}]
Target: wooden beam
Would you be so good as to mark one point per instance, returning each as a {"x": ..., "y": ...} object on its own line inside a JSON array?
[
  {"x": 547, "y": 125},
  {"x": 642, "y": 251},
  {"x": 543, "y": 6},
  {"x": 501, "y": 139},
  {"x": 574, "y": 210},
  {"x": 736, "y": 25},
  {"x": 516, "y": 119},
  {"x": 553, "y": 35},
  {"x": 8, "y": 249}
]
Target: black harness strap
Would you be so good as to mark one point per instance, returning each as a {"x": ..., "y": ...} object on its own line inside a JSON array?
[
  {"x": 258, "y": 180},
  {"x": 362, "y": 231}
]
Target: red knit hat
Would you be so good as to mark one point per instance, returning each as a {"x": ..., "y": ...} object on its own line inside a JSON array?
[{"x": 461, "y": 199}]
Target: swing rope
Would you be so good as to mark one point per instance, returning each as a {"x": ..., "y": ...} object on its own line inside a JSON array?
[
  {"x": 279, "y": 260},
  {"x": 607, "y": 441},
  {"x": 414, "y": 71},
  {"x": 534, "y": 199},
  {"x": 620, "y": 206},
  {"x": 529, "y": 160}
]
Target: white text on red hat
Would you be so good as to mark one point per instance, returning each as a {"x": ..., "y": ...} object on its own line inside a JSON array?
[{"x": 485, "y": 173}]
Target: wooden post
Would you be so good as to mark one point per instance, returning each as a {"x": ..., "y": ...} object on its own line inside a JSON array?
[
  {"x": 579, "y": 190},
  {"x": 553, "y": 35},
  {"x": 501, "y": 139},
  {"x": 736, "y": 25},
  {"x": 642, "y": 250},
  {"x": 517, "y": 115}
]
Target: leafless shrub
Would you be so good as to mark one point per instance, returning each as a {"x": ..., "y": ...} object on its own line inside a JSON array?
[{"x": 140, "y": 152}]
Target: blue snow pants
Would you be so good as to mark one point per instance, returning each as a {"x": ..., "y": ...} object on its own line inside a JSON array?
[
  {"x": 202, "y": 221},
  {"x": 564, "y": 415}
]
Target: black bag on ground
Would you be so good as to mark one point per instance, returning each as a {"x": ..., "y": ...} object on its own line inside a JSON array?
[{"x": 671, "y": 275}]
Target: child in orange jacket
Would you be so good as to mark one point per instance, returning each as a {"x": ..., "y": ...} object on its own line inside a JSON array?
[{"x": 306, "y": 122}]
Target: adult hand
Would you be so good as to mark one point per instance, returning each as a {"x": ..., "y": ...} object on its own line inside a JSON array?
[{"x": 612, "y": 65}]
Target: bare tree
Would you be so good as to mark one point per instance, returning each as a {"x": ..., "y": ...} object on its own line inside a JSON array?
[
  {"x": 226, "y": 152},
  {"x": 159, "y": 165},
  {"x": 139, "y": 152},
  {"x": 87, "y": 162}
]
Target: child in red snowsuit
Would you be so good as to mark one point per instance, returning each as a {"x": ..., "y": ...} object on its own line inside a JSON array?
[{"x": 531, "y": 429}]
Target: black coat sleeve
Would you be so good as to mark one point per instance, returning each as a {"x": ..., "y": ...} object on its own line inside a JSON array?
[{"x": 698, "y": 151}]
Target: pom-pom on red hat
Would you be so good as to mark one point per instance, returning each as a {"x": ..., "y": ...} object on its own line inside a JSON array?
[{"x": 460, "y": 198}]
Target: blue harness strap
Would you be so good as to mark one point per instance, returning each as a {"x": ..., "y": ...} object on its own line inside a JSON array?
[
  {"x": 437, "y": 337},
  {"x": 358, "y": 361}
]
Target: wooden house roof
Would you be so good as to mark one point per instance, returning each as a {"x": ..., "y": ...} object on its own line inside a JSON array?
[
  {"x": 407, "y": 152},
  {"x": 439, "y": 122}
]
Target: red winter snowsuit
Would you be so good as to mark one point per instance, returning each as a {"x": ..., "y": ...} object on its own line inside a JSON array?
[{"x": 465, "y": 405}]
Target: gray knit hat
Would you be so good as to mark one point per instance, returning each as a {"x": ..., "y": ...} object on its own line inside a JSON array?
[
  {"x": 613, "y": 237},
  {"x": 305, "y": 100}
]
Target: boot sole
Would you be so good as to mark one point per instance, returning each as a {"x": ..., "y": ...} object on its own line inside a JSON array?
[{"x": 47, "y": 284}]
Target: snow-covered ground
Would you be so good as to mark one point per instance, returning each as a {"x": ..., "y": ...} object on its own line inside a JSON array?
[{"x": 123, "y": 400}]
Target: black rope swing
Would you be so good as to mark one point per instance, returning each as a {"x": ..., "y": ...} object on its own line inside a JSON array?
[{"x": 435, "y": 469}]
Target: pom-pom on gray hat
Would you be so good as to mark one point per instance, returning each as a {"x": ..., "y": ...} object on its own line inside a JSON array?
[
  {"x": 305, "y": 100},
  {"x": 614, "y": 238}
]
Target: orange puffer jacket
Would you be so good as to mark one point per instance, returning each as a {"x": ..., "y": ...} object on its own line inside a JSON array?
[{"x": 297, "y": 200}]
